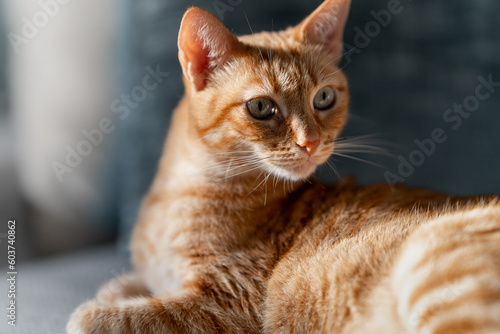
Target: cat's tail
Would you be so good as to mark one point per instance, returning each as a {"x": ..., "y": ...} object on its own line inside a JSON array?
[{"x": 448, "y": 276}]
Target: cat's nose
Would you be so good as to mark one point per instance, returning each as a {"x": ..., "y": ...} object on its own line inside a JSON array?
[{"x": 309, "y": 145}]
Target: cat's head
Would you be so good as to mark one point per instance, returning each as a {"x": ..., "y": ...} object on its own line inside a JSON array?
[{"x": 272, "y": 102}]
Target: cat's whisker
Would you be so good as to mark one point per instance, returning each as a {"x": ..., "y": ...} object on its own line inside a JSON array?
[
  {"x": 256, "y": 179},
  {"x": 318, "y": 181},
  {"x": 345, "y": 53},
  {"x": 370, "y": 137},
  {"x": 359, "y": 159},
  {"x": 258, "y": 176},
  {"x": 251, "y": 30},
  {"x": 220, "y": 127},
  {"x": 235, "y": 158},
  {"x": 251, "y": 163},
  {"x": 267, "y": 178},
  {"x": 361, "y": 149},
  {"x": 205, "y": 136},
  {"x": 222, "y": 154},
  {"x": 224, "y": 163},
  {"x": 247, "y": 171},
  {"x": 265, "y": 187},
  {"x": 229, "y": 166},
  {"x": 333, "y": 73},
  {"x": 361, "y": 144},
  {"x": 336, "y": 59},
  {"x": 276, "y": 178},
  {"x": 253, "y": 166},
  {"x": 270, "y": 54},
  {"x": 333, "y": 168},
  {"x": 264, "y": 180}
]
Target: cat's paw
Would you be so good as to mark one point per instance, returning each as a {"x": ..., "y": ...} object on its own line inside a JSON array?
[
  {"x": 81, "y": 319},
  {"x": 120, "y": 289}
]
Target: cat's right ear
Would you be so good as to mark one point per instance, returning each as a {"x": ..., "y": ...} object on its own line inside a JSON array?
[
  {"x": 325, "y": 26},
  {"x": 205, "y": 44}
]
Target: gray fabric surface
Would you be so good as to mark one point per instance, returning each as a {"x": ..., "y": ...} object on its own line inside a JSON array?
[
  {"x": 49, "y": 290},
  {"x": 3, "y": 62}
]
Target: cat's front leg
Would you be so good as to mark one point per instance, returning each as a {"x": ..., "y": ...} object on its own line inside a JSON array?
[{"x": 183, "y": 312}]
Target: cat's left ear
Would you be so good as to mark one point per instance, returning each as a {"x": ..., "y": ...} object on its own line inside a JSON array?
[{"x": 325, "y": 26}]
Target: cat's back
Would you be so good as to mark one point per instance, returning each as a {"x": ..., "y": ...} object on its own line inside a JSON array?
[{"x": 351, "y": 238}]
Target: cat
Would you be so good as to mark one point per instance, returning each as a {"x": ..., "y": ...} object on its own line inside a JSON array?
[{"x": 233, "y": 237}]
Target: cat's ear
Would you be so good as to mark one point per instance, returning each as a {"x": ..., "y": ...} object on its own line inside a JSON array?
[
  {"x": 204, "y": 45},
  {"x": 325, "y": 26}
]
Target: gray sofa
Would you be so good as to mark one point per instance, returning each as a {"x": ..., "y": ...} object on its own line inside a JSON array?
[{"x": 49, "y": 290}]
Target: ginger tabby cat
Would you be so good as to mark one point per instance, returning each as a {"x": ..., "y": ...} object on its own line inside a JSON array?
[{"x": 232, "y": 240}]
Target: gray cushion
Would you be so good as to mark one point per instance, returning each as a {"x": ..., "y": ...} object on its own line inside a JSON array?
[{"x": 49, "y": 290}]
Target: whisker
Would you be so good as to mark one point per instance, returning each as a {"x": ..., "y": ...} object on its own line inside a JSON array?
[
  {"x": 205, "y": 136},
  {"x": 355, "y": 138},
  {"x": 224, "y": 163},
  {"x": 333, "y": 168},
  {"x": 247, "y": 171},
  {"x": 263, "y": 181},
  {"x": 335, "y": 60},
  {"x": 340, "y": 69},
  {"x": 359, "y": 159},
  {"x": 222, "y": 154},
  {"x": 361, "y": 144},
  {"x": 318, "y": 181},
  {"x": 251, "y": 30},
  {"x": 362, "y": 149},
  {"x": 244, "y": 164},
  {"x": 229, "y": 166}
]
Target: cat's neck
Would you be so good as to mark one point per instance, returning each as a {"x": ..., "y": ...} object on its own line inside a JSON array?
[{"x": 185, "y": 166}]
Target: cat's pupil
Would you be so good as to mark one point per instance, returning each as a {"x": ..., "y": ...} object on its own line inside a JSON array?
[{"x": 260, "y": 106}]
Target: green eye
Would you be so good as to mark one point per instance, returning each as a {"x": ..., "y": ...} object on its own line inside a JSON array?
[
  {"x": 261, "y": 108},
  {"x": 325, "y": 98}
]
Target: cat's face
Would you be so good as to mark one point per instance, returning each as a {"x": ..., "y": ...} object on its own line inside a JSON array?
[{"x": 270, "y": 102}]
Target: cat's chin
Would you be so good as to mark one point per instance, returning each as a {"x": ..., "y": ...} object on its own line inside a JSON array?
[{"x": 300, "y": 172}]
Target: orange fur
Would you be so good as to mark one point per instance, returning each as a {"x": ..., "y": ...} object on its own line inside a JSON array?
[{"x": 231, "y": 240}]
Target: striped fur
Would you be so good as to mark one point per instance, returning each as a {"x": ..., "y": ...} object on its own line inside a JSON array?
[{"x": 230, "y": 238}]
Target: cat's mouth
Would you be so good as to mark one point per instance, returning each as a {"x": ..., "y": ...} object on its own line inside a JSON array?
[
  {"x": 305, "y": 169},
  {"x": 298, "y": 171}
]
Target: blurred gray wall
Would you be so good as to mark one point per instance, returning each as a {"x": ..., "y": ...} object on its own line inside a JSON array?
[{"x": 59, "y": 74}]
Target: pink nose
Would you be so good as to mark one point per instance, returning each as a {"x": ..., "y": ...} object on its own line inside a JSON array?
[{"x": 309, "y": 146}]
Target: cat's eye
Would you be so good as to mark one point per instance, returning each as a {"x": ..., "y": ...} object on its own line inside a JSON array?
[
  {"x": 325, "y": 98},
  {"x": 261, "y": 108}
]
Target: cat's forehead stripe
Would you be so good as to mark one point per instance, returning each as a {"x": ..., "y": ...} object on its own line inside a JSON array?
[{"x": 285, "y": 73}]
